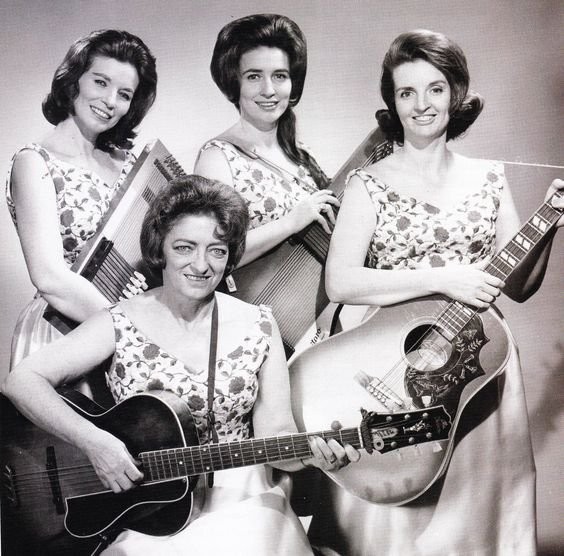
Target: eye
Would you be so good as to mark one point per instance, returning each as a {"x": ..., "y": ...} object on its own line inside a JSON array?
[
  {"x": 437, "y": 90},
  {"x": 182, "y": 249},
  {"x": 405, "y": 94},
  {"x": 219, "y": 252},
  {"x": 125, "y": 96},
  {"x": 253, "y": 76},
  {"x": 100, "y": 82},
  {"x": 281, "y": 76}
]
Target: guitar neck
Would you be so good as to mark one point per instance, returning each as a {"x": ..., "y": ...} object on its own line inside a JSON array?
[
  {"x": 457, "y": 315},
  {"x": 174, "y": 463}
]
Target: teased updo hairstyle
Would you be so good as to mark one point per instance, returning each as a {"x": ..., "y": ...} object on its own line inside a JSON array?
[
  {"x": 195, "y": 195},
  {"x": 121, "y": 46},
  {"x": 274, "y": 31},
  {"x": 445, "y": 55}
]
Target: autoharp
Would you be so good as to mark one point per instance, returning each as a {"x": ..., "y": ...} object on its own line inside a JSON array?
[
  {"x": 112, "y": 255},
  {"x": 290, "y": 277}
]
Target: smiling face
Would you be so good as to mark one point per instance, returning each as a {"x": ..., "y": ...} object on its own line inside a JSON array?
[
  {"x": 105, "y": 92},
  {"x": 195, "y": 259},
  {"x": 266, "y": 86},
  {"x": 422, "y": 98}
]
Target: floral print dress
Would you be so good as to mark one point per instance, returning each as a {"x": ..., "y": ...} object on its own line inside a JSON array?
[
  {"x": 82, "y": 200},
  {"x": 269, "y": 196},
  {"x": 247, "y": 510},
  {"x": 485, "y": 504}
]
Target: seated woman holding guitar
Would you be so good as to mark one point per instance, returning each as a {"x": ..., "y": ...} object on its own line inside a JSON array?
[
  {"x": 221, "y": 356},
  {"x": 428, "y": 221},
  {"x": 59, "y": 188}
]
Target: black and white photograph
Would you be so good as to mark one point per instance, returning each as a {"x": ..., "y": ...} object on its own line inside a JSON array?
[{"x": 282, "y": 278}]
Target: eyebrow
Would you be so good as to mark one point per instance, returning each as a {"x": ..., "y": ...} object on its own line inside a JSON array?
[
  {"x": 107, "y": 78},
  {"x": 433, "y": 83},
  {"x": 251, "y": 70}
]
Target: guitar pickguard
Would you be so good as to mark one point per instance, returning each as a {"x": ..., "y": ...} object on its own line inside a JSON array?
[{"x": 444, "y": 386}]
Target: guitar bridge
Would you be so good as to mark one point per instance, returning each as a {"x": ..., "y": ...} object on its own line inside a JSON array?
[{"x": 378, "y": 389}]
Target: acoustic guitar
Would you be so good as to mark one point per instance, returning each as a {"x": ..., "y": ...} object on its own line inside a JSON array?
[
  {"x": 420, "y": 354},
  {"x": 50, "y": 492}
]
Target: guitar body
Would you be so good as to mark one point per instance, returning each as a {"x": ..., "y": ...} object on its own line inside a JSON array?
[
  {"x": 38, "y": 508},
  {"x": 377, "y": 366}
]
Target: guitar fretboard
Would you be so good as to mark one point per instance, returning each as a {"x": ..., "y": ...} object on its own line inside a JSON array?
[
  {"x": 457, "y": 315},
  {"x": 194, "y": 460}
]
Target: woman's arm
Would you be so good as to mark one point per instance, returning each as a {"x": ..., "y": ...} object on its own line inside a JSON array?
[
  {"x": 348, "y": 281},
  {"x": 34, "y": 196},
  {"x": 318, "y": 207},
  {"x": 527, "y": 278},
  {"x": 272, "y": 414},
  {"x": 31, "y": 386}
]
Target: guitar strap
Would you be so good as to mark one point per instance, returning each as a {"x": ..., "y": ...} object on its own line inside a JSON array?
[{"x": 211, "y": 382}]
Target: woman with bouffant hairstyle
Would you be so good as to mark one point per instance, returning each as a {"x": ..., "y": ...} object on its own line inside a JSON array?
[
  {"x": 259, "y": 63},
  {"x": 443, "y": 54},
  {"x": 121, "y": 46},
  {"x": 425, "y": 221},
  {"x": 60, "y": 186}
]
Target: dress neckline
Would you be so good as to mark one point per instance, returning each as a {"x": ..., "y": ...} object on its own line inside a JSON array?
[
  {"x": 415, "y": 201},
  {"x": 83, "y": 170}
]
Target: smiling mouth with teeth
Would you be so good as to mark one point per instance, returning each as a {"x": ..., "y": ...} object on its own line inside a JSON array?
[{"x": 100, "y": 113}]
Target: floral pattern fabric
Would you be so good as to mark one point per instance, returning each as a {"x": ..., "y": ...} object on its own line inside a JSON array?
[
  {"x": 82, "y": 198},
  {"x": 269, "y": 196},
  {"x": 411, "y": 234},
  {"x": 140, "y": 365}
]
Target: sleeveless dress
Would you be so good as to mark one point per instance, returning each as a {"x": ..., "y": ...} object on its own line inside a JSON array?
[
  {"x": 82, "y": 200},
  {"x": 246, "y": 513},
  {"x": 485, "y": 505},
  {"x": 269, "y": 196}
]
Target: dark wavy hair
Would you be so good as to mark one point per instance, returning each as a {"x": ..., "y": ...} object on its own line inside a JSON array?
[
  {"x": 274, "y": 31},
  {"x": 445, "y": 55},
  {"x": 194, "y": 195},
  {"x": 122, "y": 46}
]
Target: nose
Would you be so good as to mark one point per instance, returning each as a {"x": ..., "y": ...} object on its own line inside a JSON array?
[
  {"x": 267, "y": 88},
  {"x": 421, "y": 103},
  {"x": 110, "y": 97},
  {"x": 200, "y": 261}
]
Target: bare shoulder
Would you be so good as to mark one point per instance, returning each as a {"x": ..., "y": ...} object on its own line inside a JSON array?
[
  {"x": 383, "y": 169},
  {"x": 237, "y": 311}
]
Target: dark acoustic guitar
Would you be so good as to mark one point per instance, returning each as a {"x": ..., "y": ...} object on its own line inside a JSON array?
[
  {"x": 50, "y": 493},
  {"x": 289, "y": 278},
  {"x": 419, "y": 354}
]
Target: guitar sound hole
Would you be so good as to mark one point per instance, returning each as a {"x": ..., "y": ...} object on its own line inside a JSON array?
[{"x": 426, "y": 349}]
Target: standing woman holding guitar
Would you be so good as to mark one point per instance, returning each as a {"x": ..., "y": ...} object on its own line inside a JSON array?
[
  {"x": 259, "y": 63},
  {"x": 59, "y": 188},
  {"x": 427, "y": 221}
]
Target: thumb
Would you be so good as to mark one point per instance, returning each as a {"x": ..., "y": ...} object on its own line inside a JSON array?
[{"x": 480, "y": 265}]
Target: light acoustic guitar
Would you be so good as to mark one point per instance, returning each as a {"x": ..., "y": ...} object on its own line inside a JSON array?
[
  {"x": 51, "y": 494},
  {"x": 431, "y": 352}
]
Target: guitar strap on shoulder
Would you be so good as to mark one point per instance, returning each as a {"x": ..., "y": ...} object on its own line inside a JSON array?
[{"x": 211, "y": 382}]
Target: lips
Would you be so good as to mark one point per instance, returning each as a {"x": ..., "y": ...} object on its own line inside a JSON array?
[
  {"x": 196, "y": 278},
  {"x": 427, "y": 118},
  {"x": 267, "y": 105},
  {"x": 100, "y": 113}
]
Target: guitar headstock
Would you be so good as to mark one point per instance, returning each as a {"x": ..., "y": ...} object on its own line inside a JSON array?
[{"x": 384, "y": 432}]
